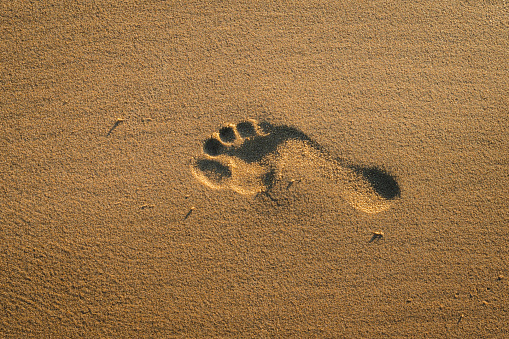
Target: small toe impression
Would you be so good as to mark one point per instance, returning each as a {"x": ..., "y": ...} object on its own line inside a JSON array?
[
  {"x": 227, "y": 134},
  {"x": 265, "y": 127},
  {"x": 246, "y": 129},
  {"x": 213, "y": 147}
]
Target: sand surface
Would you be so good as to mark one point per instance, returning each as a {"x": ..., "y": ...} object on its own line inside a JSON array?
[{"x": 107, "y": 229}]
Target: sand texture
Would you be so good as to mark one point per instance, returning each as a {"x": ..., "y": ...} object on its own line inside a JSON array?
[{"x": 313, "y": 169}]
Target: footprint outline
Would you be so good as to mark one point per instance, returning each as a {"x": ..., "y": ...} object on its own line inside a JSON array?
[{"x": 251, "y": 157}]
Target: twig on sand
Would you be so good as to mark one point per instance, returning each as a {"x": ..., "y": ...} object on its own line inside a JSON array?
[
  {"x": 189, "y": 213},
  {"x": 461, "y": 318},
  {"x": 115, "y": 125},
  {"x": 293, "y": 181},
  {"x": 376, "y": 236}
]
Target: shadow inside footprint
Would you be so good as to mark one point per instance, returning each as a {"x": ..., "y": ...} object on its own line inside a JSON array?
[
  {"x": 213, "y": 170},
  {"x": 382, "y": 182},
  {"x": 227, "y": 134},
  {"x": 213, "y": 147}
]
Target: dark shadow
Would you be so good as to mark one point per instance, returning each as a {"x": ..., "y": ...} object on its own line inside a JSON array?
[
  {"x": 269, "y": 179},
  {"x": 382, "y": 182},
  {"x": 213, "y": 168},
  {"x": 253, "y": 150},
  {"x": 115, "y": 125},
  {"x": 226, "y": 134},
  {"x": 376, "y": 236},
  {"x": 213, "y": 147},
  {"x": 246, "y": 129},
  {"x": 189, "y": 213}
]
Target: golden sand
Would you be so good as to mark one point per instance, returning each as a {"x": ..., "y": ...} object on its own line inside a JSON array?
[{"x": 380, "y": 210}]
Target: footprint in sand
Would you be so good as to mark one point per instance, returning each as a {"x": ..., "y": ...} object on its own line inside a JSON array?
[{"x": 251, "y": 157}]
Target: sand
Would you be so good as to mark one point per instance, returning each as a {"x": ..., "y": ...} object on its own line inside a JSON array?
[{"x": 108, "y": 230}]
